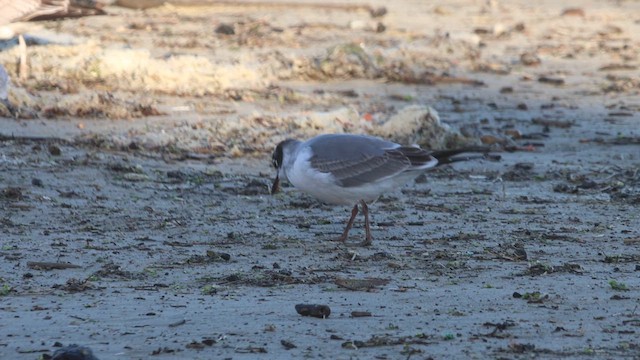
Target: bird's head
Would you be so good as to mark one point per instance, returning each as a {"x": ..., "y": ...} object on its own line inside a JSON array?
[{"x": 277, "y": 160}]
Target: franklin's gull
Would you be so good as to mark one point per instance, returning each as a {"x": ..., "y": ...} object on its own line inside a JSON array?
[{"x": 350, "y": 169}]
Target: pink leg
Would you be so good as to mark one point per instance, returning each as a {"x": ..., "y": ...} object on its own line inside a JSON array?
[
  {"x": 367, "y": 225},
  {"x": 345, "y": 234}
]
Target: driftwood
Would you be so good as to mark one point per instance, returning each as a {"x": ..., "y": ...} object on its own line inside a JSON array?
[
  {"x": 146, "y": 4},
  {"x": 26, "y": 10},
  {"x": 37, "y": 265}
]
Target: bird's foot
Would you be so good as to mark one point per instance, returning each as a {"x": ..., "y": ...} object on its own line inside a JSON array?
[{"x": 367, "y": 242}]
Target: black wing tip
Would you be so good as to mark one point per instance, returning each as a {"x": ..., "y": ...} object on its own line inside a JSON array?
[
  {"x": 451, "y": 156},
  {"x": 417, "y": 157}
]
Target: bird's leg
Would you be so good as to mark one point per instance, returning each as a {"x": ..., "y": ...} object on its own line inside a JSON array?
[
  {"x": 367, "y": 225},
  {"x": 345, "y": 234}
]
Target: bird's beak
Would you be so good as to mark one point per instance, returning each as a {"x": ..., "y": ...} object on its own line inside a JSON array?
[{"x": 276, "y": 184}]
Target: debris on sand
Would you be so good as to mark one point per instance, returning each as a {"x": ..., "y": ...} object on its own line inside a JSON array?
[
  {"x": 510, "y": 251},
  {"x": 358, "y": 61},
  {"x": 573, "y": 12},
  {"x": 25, "y": 10},
  {"x": 361, "y": 284},
  {"x": 101, "y": 105},
  {"x": 552, "y": 80},
  {"x": 39, "y": 265},
  {"x": 538, "y": 269},
  {"x": 619, "y": 140},
  {"x": 314, "y": 310},
  {"x": 375, "y": 341},
  {"x": 11, "y": 193},
  {"x": 70, "y": 67},
  {"x": 336, "y": 121},
  {"x": 74, "y": 285},
  {"x": 420, "y": 125},
  {"x": 488, "y": 135},
  {"x": 357, "y": 314},
  {"x": 9, "y": 95},
  {"x": 520, "y": 172}
]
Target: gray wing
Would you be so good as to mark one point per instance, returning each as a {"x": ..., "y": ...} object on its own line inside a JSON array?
[{"x": 355, "y": 160}]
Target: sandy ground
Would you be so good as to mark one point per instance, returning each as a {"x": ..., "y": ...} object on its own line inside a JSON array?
[{"x": 134, "y": 201}]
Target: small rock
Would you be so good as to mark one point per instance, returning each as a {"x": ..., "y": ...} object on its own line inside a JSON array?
[
  {"x": 378, "y": 12},
  {"x": 215, "y": 255},
  {"x": 55, "y": 150},
  {"x": 573, "y": 12},
  {"x": 319, "y": 311},
  {"x": 74, "y": 352},
  {"x": 135, "y": 177},
  {"x": 36, "y": 182},
  {"x": 225, "y": 29},
  {"x": 11, "y": 193},
  {"x": 356, "y": 314},
  {"x": 521, "y": 348},
  {"x": 357, "y": 25},
  {"x": 519, "y": 172},
  {"x": 176, "y": 174},
  {"x": 481, "y": 31},
  {"x": 418, "y": 125},
  {"x": 513, "y": 133},
  {"x": 564, "y": 188},
  {"x": 491, "y": 139},
  {"x": 528, "y": 166},
  {"x": 442, "y": 10},
  {"x": 530, "y": 59},
  {"x": 551, "y": 80},
  {"x": 520, "y": 27},
  {"x": 140, "y": 4},
  {"x": 499, "y": 29}
]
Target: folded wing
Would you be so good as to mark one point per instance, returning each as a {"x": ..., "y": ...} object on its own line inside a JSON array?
[{"x": 358, "y": 160}]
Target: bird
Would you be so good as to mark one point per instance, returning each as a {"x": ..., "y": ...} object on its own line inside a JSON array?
[{"x": 355, "y": 170}]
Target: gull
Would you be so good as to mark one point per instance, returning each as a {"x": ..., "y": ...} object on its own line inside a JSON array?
[{"x": 346, "y": 169}]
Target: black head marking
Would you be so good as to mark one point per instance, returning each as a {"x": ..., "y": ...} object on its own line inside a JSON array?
[{"x": 276, "y": 158}]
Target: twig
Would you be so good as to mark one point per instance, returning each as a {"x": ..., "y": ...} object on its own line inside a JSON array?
[{"x": 51, "y": 265}]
